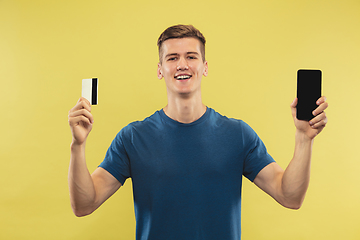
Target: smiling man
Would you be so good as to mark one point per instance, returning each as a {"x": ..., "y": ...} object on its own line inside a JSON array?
[
  {"x": 186, "y": 161},
  {"x": 182, "y": 66}
]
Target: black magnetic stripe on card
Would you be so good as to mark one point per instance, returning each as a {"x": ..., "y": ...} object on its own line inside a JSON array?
[{"x": 94, "y": 91}]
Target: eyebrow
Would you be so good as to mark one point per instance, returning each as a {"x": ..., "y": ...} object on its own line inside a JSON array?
[{"x": 176, "y": 54}]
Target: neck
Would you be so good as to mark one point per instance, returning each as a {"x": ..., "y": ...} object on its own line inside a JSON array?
[{"x": 185, "y": 110}]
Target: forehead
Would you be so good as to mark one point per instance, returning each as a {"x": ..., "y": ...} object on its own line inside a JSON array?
[{"x": 180, "y": 45}]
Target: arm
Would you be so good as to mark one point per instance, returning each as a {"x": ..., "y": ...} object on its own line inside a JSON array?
[
  {"x": 289, "y": 187},
  {"x": 87, "y": 192}
]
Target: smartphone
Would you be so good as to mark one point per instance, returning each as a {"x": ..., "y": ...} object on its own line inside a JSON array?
[{"x": 308, "y": 92}]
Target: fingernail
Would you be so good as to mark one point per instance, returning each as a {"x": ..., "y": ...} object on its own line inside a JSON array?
[{"x": 311, "y": 123}]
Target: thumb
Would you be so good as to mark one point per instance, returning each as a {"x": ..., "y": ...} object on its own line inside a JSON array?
[{"x": 293, "y": 107}]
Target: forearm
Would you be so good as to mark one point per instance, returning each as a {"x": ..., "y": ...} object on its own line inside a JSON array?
[
  {"x": 295, "y": 180},
  {"x": 289, "y": 187},
  {"x": 81, "y": 186}
]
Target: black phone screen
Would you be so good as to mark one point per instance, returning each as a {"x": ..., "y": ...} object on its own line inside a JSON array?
[{"x": 308, "y": 92}]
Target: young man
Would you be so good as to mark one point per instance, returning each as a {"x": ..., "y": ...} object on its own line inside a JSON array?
[{"x": 186, "y": 161}]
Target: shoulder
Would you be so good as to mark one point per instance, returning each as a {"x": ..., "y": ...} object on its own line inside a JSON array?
[
  {"x": 149, "y": 123},
  {"x": 224, "y": 120},
  {"x": 236, "y": 126}
]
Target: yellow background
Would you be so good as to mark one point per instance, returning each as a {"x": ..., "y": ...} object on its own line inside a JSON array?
[{"x": 254, "y": 49}]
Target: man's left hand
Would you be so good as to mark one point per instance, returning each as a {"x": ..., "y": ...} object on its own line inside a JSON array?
[{"x": 312, "y": 128}]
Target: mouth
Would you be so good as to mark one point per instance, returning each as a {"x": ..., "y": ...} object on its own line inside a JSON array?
[{"x": 183, "y": 77}]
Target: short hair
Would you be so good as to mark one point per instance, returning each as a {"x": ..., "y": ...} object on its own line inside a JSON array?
[{"x": 182, "y": 31}]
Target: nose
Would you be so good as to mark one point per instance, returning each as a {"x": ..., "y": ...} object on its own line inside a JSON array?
[{"x": 182, "y": 64}]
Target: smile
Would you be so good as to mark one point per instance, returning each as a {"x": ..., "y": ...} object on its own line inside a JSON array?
[{"x": 182, "y": 77}]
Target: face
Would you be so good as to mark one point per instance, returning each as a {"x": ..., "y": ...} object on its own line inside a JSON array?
[{"x": 182, "y": 66}]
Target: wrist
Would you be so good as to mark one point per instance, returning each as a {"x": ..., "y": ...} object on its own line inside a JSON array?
[
  {"x": 302, "y": 137},
  {"x": 74, "y": 146}
]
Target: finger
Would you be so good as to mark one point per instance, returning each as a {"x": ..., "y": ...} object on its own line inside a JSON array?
[
  {"x": 293, "y": 107},
  {"x": 320, "y": 124},
  {"x": 79, "y": 112},
  {"x": 319, "y": 120},
  {"x": 82, "y": 112},
  {"x": 321, "y": 100},
  {"x": 74, "y": 121},
  {"x": 294, "y": 103},
  {"x": 320, "y": 109},
  {"x": 82, "y": 99},
  {"x": 82, "y": 103}
]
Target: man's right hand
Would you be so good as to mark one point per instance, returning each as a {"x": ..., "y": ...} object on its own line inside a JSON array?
[{"x": 80, "y": 121}]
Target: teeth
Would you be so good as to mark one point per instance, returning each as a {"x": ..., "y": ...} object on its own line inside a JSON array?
[{"x": 183, "y": 77}]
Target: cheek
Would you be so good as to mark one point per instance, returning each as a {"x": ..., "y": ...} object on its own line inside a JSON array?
[
  {"x": 167, "y": 69},
  {"x": 198, "y": 69},
  {"x": 166, "y": 72}
]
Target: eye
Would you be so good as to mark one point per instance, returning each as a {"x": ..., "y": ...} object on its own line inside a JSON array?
[
  {"x": 191, "y": 57},
  {"x": 171, "y": 59}
]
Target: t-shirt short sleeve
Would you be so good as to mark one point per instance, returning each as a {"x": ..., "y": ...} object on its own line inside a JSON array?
[
  {"x": 116, "y": 160},
  {"x": 256, "y": 155}
]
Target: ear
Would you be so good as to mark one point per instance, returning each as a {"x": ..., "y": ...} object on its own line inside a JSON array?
[
  {"x": 205, "y": 69},
  {"x": 159, "y": 72}
]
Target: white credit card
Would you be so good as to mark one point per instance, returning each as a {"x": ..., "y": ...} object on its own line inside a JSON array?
[{"x": 90, "y": 90}]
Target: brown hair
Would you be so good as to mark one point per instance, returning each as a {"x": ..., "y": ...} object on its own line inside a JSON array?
[{"x": 182, "y": 31}]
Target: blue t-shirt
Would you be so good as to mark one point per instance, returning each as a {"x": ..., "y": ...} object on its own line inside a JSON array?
[{"x": 187, "y": 177}]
